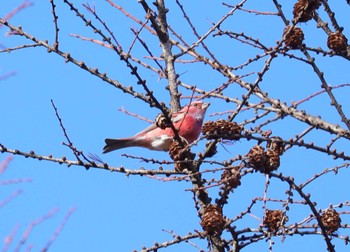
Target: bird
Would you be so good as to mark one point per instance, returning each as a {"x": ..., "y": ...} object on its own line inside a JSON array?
[{"x": 188, "y": 123}]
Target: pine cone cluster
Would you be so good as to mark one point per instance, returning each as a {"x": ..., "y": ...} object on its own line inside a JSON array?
[
  {"x": 274, "y": 219},
  {"x": 213, "y": 222},
  {"x": 337, "y": 42},
  {"x": 264, "y": 161},
  {"x": 182, "y": 154},
  {"x": 331, "y": 220},
  {"x": 221, "y": 129},
  {"x": 257, "y": 157},
  {"x": 231, "y": 178},
  {"x": 162, "y": 122},
  {"x": 304, "y": 9},
  {"x": 294, "y": 38}
]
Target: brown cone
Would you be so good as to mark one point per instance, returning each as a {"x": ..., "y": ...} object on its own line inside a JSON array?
[
  {"x": 294, "y": 38},
  {"x": 304, "y": 9},
  {"x": 331, "y": 220},
  {"x": 257, "y": 157},
  {"x": 337, "y": 42},
  {"x": 182, "y": 154},
  {"x": 274, "y": 219},
  {"x": 221, "y": 129},
  {"x": 213, "y": 222}
]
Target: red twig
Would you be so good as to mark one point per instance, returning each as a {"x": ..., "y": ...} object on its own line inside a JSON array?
[
  {"x": 144, "y": 44},
  {"x": 5, "y": 163},
  {"x": 96, "y": 41},
  {"x": 131, "y": 16},
  {"x": 137, "y": 33},
  {"x": 260, "y": 12},
  {"x": 318, "y": 93},
  {"x": 59, "y": 229},
  {"x": 7, "y": 75},
  {"x": 23, "y": 5},
  {"x": 10, "y": 198},
  {"x": 29, "y": 229},
  {"x": 123, "y": 110},
  {"x": 15, "y": 181},
  {"x": 9, "y": 239}
]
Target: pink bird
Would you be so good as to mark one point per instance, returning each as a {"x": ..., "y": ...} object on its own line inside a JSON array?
[{"x": 188, "y": 121}]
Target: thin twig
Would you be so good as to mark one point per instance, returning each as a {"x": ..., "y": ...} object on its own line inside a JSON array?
[
  {"x": 58, "y": 229},
  {"x": 55, "y": 18}
]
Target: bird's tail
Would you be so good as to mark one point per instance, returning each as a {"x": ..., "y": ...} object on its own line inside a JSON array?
[{"x": 115, "y": 144}]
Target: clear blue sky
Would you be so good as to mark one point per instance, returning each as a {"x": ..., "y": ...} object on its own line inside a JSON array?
[{"x": 119, "y": 213}]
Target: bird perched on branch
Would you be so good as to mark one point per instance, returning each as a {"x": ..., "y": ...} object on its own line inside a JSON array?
[{"x": 188, "y": 123}]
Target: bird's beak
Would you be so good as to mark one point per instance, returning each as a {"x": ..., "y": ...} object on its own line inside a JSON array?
[{"x": 205, "y": 105}]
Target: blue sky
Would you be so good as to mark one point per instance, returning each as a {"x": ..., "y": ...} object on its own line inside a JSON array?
[{"x": 119, "y": 213}]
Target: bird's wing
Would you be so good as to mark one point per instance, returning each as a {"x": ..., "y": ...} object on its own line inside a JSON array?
[
  {"x": 178, "y": 116},
  {"x": 148, "y": 129}
]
